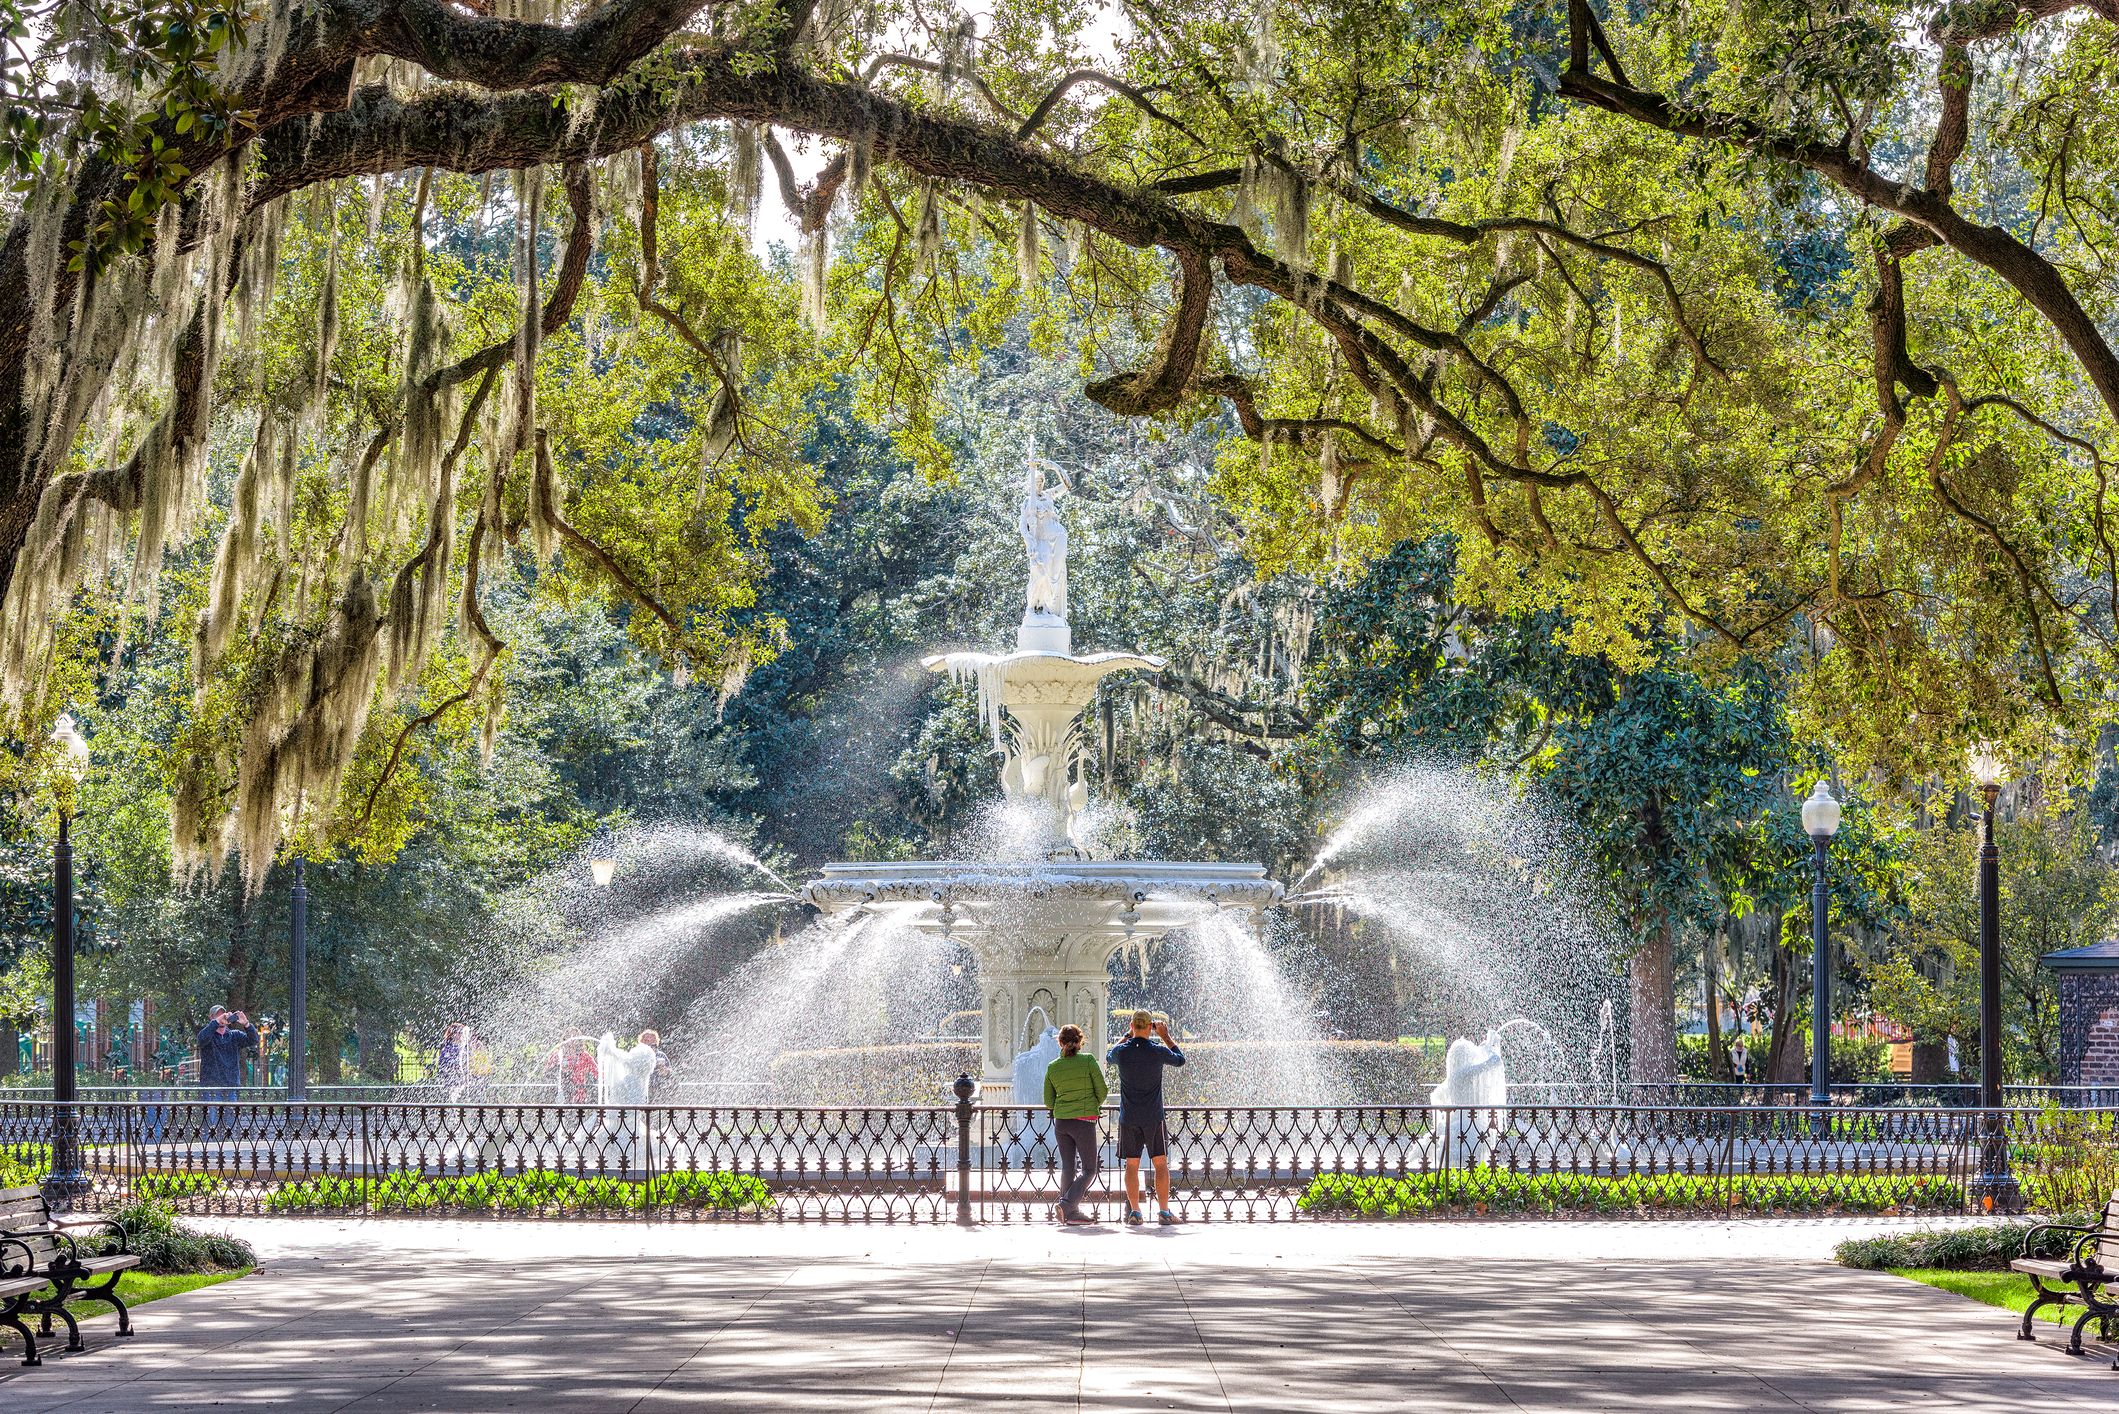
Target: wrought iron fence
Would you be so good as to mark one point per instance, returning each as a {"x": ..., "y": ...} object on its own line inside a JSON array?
[
  {"x": 1711, "y": 1094},
  {"x": 999, "y": 1163}
]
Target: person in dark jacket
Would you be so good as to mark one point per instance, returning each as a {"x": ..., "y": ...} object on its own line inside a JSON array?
[
  {"x": 222, "y": 1041},
  {"x": 1140, "y": 1060}
]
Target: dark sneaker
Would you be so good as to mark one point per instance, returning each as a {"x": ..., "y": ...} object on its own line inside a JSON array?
[
  {"x": 1077, "y": 1219},
  {"x": 1133, "y": 1218},
  {"x": 1166, "y": 1218}
]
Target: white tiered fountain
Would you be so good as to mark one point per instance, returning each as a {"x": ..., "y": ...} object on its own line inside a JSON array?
[{"x": 1043, "y": 931}]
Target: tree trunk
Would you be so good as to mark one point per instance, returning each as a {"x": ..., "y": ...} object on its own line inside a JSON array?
[
  {"x": 1654, "y": 1005},
  {"x": 327, "y": 1047},
  {"x": 10, "y": 1048},
  {"x": 1784, "y": 1059}
]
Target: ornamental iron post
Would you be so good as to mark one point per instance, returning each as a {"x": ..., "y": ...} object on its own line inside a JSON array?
[
  {"x": 1996, "y": 1187},
  {"x": 1821, "y": 822},
  {"x": 66, "y": 1181},
  {"x": 298, "y": 986},
  {"x": 964, "y": 1089}
]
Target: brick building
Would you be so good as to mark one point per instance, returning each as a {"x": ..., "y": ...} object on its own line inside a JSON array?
[{"x": 2088, "y": 980}]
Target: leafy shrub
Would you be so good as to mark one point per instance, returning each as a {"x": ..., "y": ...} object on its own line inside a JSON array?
[
  {"x": 2070, "y": 1164},
  {"x": 176, "y": 1185},
  {"x": 22, "y": 1164},
  {"x": 168, "y": 1245},
  {"x": 537, "y": 1190},
  {"x": 1986, "y": 1248},
  {"x": 1504, "y": 1191}
]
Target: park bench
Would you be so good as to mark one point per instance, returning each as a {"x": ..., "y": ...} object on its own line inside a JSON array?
[
  {"x": 40, "y": 1248},
  {"x": 15, "y": 1293},
  {"x": 2088, "y": 1276}
]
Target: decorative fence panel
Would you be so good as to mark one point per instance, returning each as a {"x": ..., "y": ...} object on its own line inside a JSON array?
[{"x": 999, "y": 1163}]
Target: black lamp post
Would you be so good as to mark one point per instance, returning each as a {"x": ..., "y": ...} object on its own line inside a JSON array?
[
  {"x": 66, "y": 1181},
  {"x": 1995, "y": 1187},
  {"x": 1820, "y": 822},
  {"x": 298, "y": 986}
]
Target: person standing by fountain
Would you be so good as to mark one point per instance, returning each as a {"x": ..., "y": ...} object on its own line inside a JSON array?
[
  {"x": 1074, "y": 1091},
  {"x": 1140, "y": 1060},
  {"x": 452, "y": 1060}
]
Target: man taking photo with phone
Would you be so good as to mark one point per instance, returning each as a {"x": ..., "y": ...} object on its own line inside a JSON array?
[
  {"x": 1140, "y": 1060},
  {"x": 222, "y": 1041}
]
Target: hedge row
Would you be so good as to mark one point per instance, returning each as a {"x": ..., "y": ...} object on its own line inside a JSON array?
[
  {"x": 1987, "y": 1248},
  {"x": 538, "y": 1189},
  {"x": 1502, "y": 1191}
]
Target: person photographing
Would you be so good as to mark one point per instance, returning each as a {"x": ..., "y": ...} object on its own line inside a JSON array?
[
  {"x": 1140, "y": 1060},
  {"x": 222, "y": 1041}
]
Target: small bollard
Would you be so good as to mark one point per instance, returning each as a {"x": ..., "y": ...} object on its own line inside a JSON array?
[{"x": 964, "y": 1088}]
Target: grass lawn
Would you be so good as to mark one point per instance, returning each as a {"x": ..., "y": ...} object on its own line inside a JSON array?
[
  {"x": 2008, "y": 1290},
  {"x": 139, "y": 1288}
]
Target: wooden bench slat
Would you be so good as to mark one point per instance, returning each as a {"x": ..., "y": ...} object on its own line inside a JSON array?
[{"x": 112, "y": 1262}]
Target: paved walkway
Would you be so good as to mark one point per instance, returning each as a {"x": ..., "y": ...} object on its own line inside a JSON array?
[{"x": 1676, "y": 1317}]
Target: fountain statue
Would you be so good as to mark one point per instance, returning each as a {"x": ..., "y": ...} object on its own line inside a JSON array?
[
  {"x": 1045, "y": 539},
  {"x": 1029, "y": 1067},
  {"x": 622, "y": 1074},
  {"x": 1043, "y": 932},
  {"x": 1474, "y": 1092}
]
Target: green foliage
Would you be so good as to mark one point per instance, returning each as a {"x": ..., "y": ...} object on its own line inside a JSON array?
[
  {"x": 2069, "y": 1163},
  {"x": 167, "y": 1186},
  {"x": 1490, "y": 1190},
  {"x": 22, "y": 1164},
  {"x": 2057, "y": 891},
  {"x": 1986, "y": 1247},
  {"x": 166, "y": 1244},
  {"x": 134, "y": 86},
  {"x": 535, "y": 1190},
  {"x": 1855, "y": 1059}
]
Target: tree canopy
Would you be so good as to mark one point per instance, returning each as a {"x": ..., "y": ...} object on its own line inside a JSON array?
[{"x": 1760, "y": 328}]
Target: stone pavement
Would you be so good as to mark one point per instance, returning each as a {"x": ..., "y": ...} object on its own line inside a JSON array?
[{"x": 468, "y": 1316}]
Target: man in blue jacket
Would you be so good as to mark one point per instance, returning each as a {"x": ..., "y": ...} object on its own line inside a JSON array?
[
  {"x": 222, "y": 1041},
  {"x": 1140, "y": 1060}
]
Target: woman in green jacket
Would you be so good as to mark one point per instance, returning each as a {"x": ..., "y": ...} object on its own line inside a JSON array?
[{"x": 1074, "y": 1091}]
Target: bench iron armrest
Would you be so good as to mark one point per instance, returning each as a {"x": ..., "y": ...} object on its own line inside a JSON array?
[
  {"x": 2085, "y": 1253},
  {"x": 16, "y": 1235},
  {"x": 29, "y": 1258},
  {"x": 112, "y": 1224},
  {"x": 2031, "y": 1236}
]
